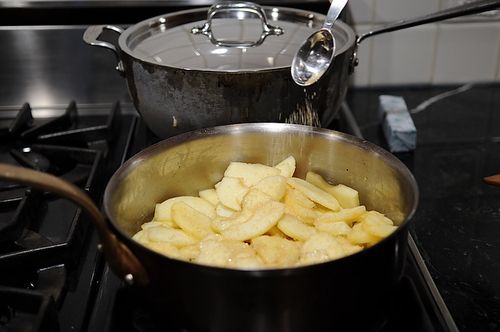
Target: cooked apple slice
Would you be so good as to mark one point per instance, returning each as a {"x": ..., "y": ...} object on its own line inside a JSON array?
[
  {"x": 376, "y": 225},
  {"x": 210, "y": 195},
  {"x": 300, "y": 206},
  {"x": 219, "y": 224},
  {"x": 276, "y": 251},
  {"x": 361, "y": 237},
  {"x": 230, "y": 191},
  {"x": 163, "y": 211},
  {"x": 346, "y": 196},
  {"x": 314, "y": 193},
  {"x": 141, "y": 237},
  {"x": 254, "y": 199},
  {"x": 319, "y": 248},
  {"x": 295, "y": 229},
  {"x": 333, "y": 228},
  {"x": 348, "y": 247},
  {"x": 191, "y": 221},
  {"x": 346, "y": 215},
  {"x": 223, "y": 211},
  {"x": 287, "y": 167},
  {"x": 262, "y": 220},
  {"x": 274, "y": 186},
  {"x": 251, "y": 174},
  {"x": 176, "y": 237},
  {"x": 215, "y": 250},
  {"x": 376, "y": 215},
  {"x": 275, "y": 231},
  {"x": 190, "y": 252}
]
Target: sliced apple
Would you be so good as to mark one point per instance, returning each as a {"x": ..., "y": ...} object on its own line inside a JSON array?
[
  {"x": 230, "y": 191},
  {"x": 295, "y": 229},
  {"x": 176, "y": 237},
  {"x": 276, "y": 251},
  {"x": 346, "y": 196},
  {"x": 359, "y": 236},
  {"x": 345, "y": 215},
  {"x": 286, "y": 167},
  {"x": 333, "y": 228},
  {"x": 254, "y": 199},
  {"x": 191, "y": 221},
  {"x": 274, "y": 186},
  {"x": 261, "y": 221},
  {"x": 319, "y": 248},
  {"x": 163, "y": 211},
  {"x": 314, "y": 193},
  {"x": 210, "y": 195},
  {"x": 251, "y": 174}
]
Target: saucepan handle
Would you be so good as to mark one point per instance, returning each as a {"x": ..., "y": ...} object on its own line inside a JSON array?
[
  {"x": 91, "y": 37},
  {"x": 236, "y": 10},
  {"x": 122, "y": 261},
  {"x": 474, "y": 7}
]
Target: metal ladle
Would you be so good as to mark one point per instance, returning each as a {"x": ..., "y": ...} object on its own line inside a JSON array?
[{"x": 317, "y": 52}]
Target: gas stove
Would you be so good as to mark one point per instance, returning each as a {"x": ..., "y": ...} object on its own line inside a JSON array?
[
  {"x": 57, "y": 279},
  {"x": 47, "y": 246}
]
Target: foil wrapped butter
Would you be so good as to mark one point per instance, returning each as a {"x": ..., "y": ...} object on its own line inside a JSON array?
[{"x": 398, "y": 127}]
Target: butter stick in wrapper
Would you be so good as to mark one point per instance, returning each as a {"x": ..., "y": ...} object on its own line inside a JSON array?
[{"x": 399, "y": 129}]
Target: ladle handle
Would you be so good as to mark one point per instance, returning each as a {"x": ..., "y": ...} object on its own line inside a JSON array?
[
  {"x": 336, "y": 8},
  {"x": 466, "y": 9},
  {"x": 122, "y": 261}
]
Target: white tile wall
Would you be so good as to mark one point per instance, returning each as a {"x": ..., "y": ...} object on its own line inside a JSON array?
[
  {"x": 395, "y": 10},
  {"x": 362, "y": 10},
  {"x": 457, "y": 51},
  {"x": 451, "y": 3},
  {"x": 467, "y": 52},
  {"x": 404, "y": 56}
]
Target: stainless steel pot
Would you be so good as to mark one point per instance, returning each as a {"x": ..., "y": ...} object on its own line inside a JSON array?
[
  {"x": 348, "y": 294},
  {"x": 184, "y": 80},
  {"x": 181, "y": 75}
]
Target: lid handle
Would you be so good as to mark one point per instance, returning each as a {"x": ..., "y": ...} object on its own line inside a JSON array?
[{"x": 238, "y": 10}]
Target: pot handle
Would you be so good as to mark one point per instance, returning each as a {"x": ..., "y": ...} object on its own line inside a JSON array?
[
  {"x": 91, "y": 37},
  {"x": 121, "y": 260},
  {"x": 457, "y": 11},
  {"x": 236, "y": 10}
]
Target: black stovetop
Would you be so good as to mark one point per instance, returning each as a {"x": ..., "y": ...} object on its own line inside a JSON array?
[
  {"x": 68, "y": 287},
  {"x": 50, "y": 266}
]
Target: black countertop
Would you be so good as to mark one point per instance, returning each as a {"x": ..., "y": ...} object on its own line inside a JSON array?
[{"x": 457, "y": 224}]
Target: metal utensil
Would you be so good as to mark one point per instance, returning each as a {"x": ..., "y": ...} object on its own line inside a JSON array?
[{"x": 316, "y": 54}]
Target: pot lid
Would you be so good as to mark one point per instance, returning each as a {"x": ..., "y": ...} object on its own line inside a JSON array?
[{"x": 232, "y": 39}]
